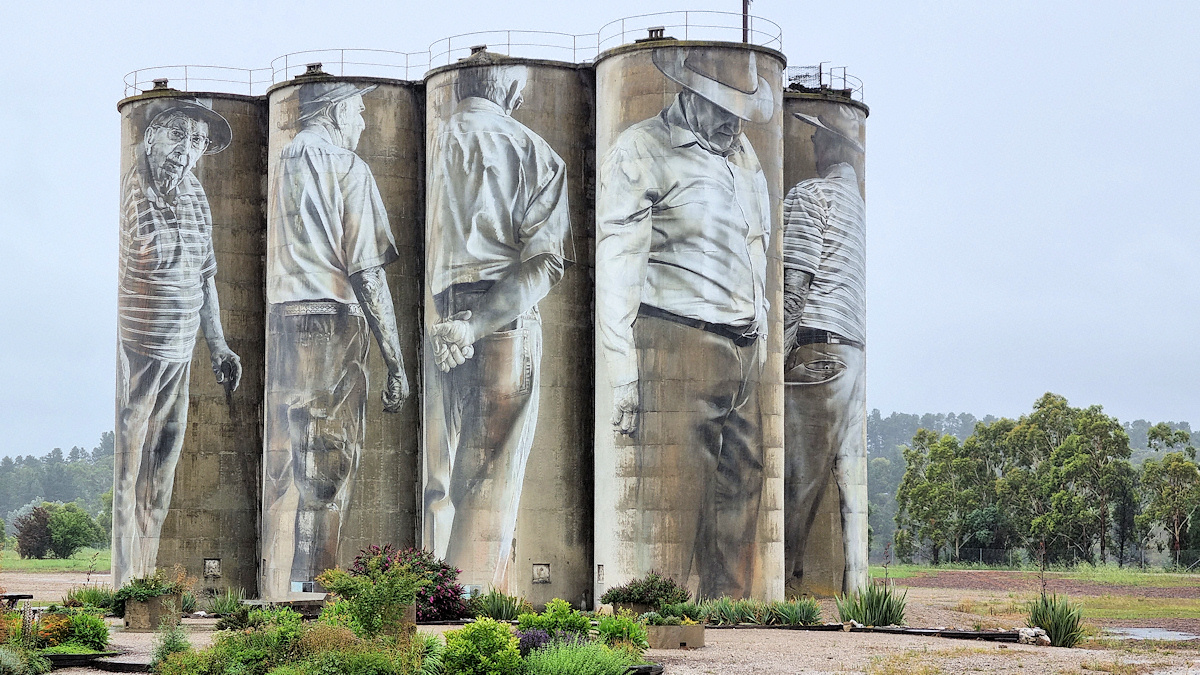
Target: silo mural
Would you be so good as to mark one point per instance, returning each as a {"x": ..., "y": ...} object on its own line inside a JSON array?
[
  {"x": 167, "y": 291},
  {"x": 824, "y": 263},
  {"x": 499, "y": 243},
  {"x": 689, "y": 409},
  {"x": 329, "y": 244}
]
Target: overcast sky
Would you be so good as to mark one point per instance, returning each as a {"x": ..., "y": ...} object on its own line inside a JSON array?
[{"x": 1032, "y": 185}]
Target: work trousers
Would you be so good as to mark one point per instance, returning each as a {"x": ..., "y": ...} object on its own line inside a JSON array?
[
  {"x": 825, "y": 436},
  {"x": 316, "y": 404},
  {"x": 475, "y": 470},
  {"x": 152, "y": 405},
  {"x": 699, "y": 455}
]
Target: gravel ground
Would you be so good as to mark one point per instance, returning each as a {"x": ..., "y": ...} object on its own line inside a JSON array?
[{"x": 49, "y": 586}]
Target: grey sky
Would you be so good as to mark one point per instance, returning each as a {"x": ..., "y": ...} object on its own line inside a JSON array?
[{"x": 1032, "y": 185}]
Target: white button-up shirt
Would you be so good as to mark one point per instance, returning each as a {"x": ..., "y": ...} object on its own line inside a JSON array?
[{"x": 681, "y": 229}]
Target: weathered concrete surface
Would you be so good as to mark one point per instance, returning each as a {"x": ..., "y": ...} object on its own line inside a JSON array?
[
  {"x": 630, "y": 541},
  {"x": 554, "y": 520},
  {"x": 214, "y": 506}
]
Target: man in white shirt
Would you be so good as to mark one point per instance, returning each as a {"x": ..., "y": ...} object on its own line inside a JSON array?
[
  {"x": 824, "y": 268},
  {"x": 328, "y": 240},
  {"x": 683, "y": 224},
  {"x": 499, "y": 238}
]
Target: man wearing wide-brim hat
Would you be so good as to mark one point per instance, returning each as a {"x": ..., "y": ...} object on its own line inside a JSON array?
[
  {"x": 166, "y": 291},
  {"x": 328, "y": 238},
  {"x": 824, "y": 305},
  {"x": 683, "y": 223}
]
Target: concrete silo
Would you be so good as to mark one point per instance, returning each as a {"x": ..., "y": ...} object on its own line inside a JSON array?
[
  {"x": 508, "y": 368},
  {"x": 192, "y": 225},
  {"x": 825, "y": 369},
  {"x": 344, "y": 252},
  {"x": 689, "y": 395}
]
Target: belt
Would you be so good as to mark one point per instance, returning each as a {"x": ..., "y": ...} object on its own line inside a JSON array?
[
  {"x": 812, "y": 336},
  {"x": 740, "y": 336},
  {"x": 306, "y": 307}
]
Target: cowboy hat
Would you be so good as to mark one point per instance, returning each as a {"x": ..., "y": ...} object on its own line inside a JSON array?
[
  {"x": 845, "y": 125},
  {"x": 219, "y": 133},
  {"x": 315, "y": 97},
  {"x": 725, "y": 77}
]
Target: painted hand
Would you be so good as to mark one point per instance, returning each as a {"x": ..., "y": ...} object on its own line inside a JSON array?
[
  {"x": 452, "y": 340},
  {"x": 395, "y": 392},
  {"x": 227, "y": 366},
  {"x": 626, "y": 408}
]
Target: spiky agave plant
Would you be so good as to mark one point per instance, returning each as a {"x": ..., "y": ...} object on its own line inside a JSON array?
[
  {"x": 797, "y": 612},
  {"x": 877, "y": 605},
  {"x": 1060, "y": 618}
]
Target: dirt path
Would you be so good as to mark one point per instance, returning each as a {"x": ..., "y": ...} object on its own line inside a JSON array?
[{"x": 49, "y": 586}]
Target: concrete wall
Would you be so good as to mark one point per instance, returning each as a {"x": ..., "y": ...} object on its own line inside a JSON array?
[
  {"x": 517, "y": 514},
  {"x": 693, "y": 487},
  {"x": 213, "y": 514},
  {"x": 818, "y": 545},
  {"x": 361, "y": 472}
]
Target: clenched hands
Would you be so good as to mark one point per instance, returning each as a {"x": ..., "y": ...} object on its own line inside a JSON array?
[
  {"x": 452, "y": 340},
  {"x": 626, "y": 407}
]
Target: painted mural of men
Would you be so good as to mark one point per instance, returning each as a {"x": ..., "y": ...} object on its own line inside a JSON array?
[
  {"x": 499, "y": 240},
  {"x": 824, "y": 262},
  {"x": 326, "y": 288},
  {"x": 167, "y": 289},
  {"x": 683, "y": 223}
]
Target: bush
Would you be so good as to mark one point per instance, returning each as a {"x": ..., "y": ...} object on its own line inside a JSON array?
[
  {"x": 15, "y": 661},
  {"x": 798, "y": 612},
  {"x": 377, "y": 597},
  {"x": 684, "y": 610},
  {"x": 1061, "y": 619},
  {"x": 319, "y": 637},
  {"x": 441, "y": 599},
  {"x": 655, "y": 590},
  {"x": 486, "y": 647},
  {"x": 558, "y": 617},
  {"x": 53, "y": 630},
  {"x": 33, "y": 533},
  {"x": 728, "y": 612},
  {"x": 500, "y": 606},
  {"x": 149, "y": 587},
  {"x": 100, "y": 597},
  {"x": 581, "y": 658},
  {"x": 624, "y": 630},
  {"x": 529, "y": 640},
  {"x": 171, "y": 639},
  {"x": 88, "y": 630},
  {"x": 878, "y": 605},
  {"x": 71, "y": 528},
  {"x": 226, "y": 603}
]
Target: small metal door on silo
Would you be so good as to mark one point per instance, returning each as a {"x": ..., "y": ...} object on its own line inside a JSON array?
[
  {"x": 507, "y": 484},
  {"x": 824, "y": 238},
  {"x": 345, "y": 181},
  {"x": 190, "y": 347},
  {"x": 689, "y": 362}
]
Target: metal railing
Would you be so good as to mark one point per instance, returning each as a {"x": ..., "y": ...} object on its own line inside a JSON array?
[
  {"x": 825, "y": 77},
  {"x": 576, "y": 48}
]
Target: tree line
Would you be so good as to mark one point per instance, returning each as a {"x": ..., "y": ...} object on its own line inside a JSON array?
[
  {"x": 80, "y": 477},
  {"x": 1071, "y": 484}
]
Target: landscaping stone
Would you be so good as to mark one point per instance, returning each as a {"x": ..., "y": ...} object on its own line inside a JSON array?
[
  {"x": 148, "y": 615},
  {"x": 675, "y": 637}
]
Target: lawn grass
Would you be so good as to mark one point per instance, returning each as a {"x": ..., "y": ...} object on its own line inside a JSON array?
[
  {"x": 1123, "y": 607},
  {"x": 80, "y": 562},
  {"x": 1098, "y": 574}
]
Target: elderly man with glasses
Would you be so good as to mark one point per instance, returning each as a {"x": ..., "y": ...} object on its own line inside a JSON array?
[{"x": 167, "y": 290}]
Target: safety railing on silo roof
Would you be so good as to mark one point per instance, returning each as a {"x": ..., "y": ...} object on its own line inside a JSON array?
[
  {"x": 824, "y": 77},
  {"x": 523, "y": 43},
  {"x": 692, "y": 25},
  {"x": 197, "y": 78},
  {"x": 351, "y": 62}
]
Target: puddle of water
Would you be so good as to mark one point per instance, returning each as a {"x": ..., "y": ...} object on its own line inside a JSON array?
[{"x": 1150, "y": 634}]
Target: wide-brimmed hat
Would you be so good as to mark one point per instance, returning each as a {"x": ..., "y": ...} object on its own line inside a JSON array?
[
  {"x": 317, "y": 96},
  {"x": 728, "y": 78},
  {"x": 220, "y": 135},
  {"x": 840, "y": 121}
]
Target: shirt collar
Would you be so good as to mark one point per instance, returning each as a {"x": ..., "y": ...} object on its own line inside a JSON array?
[
  {"x": 152, "y": 195},
  {"x": 479, "y": 104},
  {"x": 682, "y": 134},
  {"x": 842, "y": 171}
]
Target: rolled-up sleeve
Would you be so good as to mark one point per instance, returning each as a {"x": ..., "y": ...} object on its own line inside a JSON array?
[
  {"x": 366, "y": 235},
  {"x": 545, "y": 228}
]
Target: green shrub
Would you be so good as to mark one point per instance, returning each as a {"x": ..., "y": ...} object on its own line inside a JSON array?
[
  {"x": 70, "y": 648},
  {"x": 377, "y": 597},
  {"x": 16, "y": 661},
  {"x": 227, "y": 602},
  {"x": 654, "y": 589},
  {"x": 185, "y": 663},
  {"x": 656, "y": 619},
  {"x": 485, "y": 647},
  {"x": 88, "y": 630},
  {"x": 499, "y": 606},
  {"x": 188, "y": 601},
  {"x": 878, "y": 605},
  {"x": 579, "y": 658},
  {"x": 432, "y": 652},
  {"x": 100, "y": 597},
  {"x": 1061, "y": 619},
  {"x": 559, "y": 616},
  {"x": 624, "y": 629},
  {"x": 689, "y": 610},
  {"x": 798, "y": 612},
  {"x": 320, "y": 637},
  {"x": 71, "y": 528},
  {"x": 171, "y": 639}
]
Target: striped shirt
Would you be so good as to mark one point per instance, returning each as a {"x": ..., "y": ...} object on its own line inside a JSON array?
[
  {"x": 166, "y": 255},
  {"x": 825, "y": 235}
]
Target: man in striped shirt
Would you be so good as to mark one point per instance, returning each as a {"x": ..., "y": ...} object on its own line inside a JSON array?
[
  {"x": 167, "y": 290},
  {"x": 824, "y": 263}
]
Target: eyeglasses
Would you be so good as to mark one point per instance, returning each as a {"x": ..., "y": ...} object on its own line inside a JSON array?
[{"x": 197, "y": 141}]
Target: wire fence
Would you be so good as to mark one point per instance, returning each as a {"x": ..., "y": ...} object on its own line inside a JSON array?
[
  {"x": 573, "y": 48},
  {"x": 1184, "y": 560}
]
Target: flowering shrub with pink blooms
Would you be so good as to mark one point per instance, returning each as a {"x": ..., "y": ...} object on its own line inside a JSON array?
[{"x": 439, "y": 600}]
